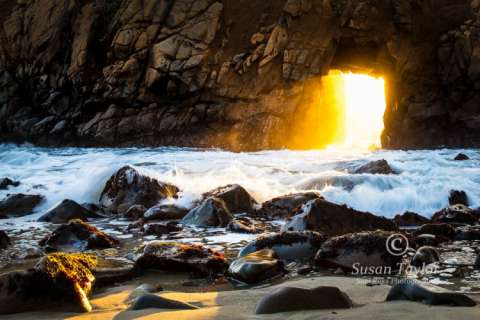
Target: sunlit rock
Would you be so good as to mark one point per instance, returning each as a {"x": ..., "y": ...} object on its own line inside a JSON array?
[
  {"x": 256, "y": 267},
  {"x": 236, "y": 198}
]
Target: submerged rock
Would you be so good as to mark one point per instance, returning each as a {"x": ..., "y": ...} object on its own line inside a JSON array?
[
  {"x": 135, "y": 212},
  {"x": 333, "y": 219},
  {"x": 425, "y": 256},
  {"x": 78, "y": 236},
  {"x": 458, "y": 197},
  {"x": 152, "y": 301},
  {"x": 285, "y": 206},
  {"x": 7, "y": 182},
  {"x": 19, "y": 204},
  {"x": 457, "y": 213},
  {"x": 212, "y": 212},
  {"x": 170, "y": 256},
  {"x": 159, "y": 229},
  {"x": 461, "y": 157},
  {"x": 4, "y": 240},
  {"x": 289, "y": 246},
  {"x": 165, "y": 212},
  {"x": 355, "y": 250},
  {"x": 236, "y": 198},
  {"x": 410, "y": 219},
  {"x": 412, "y": 291},
  {"x": 256, "y": 267},
  {"x": 375, "y": 167},
  {"x": 128, "y": 187},
  {"x": 286, "y": 299},
  {"x": 67, "y": 210}
]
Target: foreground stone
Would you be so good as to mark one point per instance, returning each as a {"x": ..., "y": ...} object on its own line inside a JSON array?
[
  {"x": 165, "y": 212},
  {"x": 457, "y": 213},
  {"x": 213, "y": 212},
  {"x": 19, "y": 204},
  {"x": 7, "y": 182},
  {"x": 412, "y": 291},
  {"x": 288, "y": 299},
  {"x": 128, "y": 187},
  {"x": 285, "y": 206},
  {"x": 333, "y": 219},
  {"x": 256, "y": 267},
  {"x": 355, "y": 250},
  {"x": 4, "y": 240},
  {"x": 289, "y": 246},
  {"x": 236, "y": 198},
  {"x": 375, "y": 167},
  {"x": 410, "y": 219},
  {"x": 179, "y": 257},
  {"x": 147, "y": 301},
  {"x": 425, "y": 256},
  {"x": 67, "y": 210},
  {"x": 78, "y": 236}
]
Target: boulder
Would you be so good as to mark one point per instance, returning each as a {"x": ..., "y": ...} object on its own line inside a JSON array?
[
  {"x": 7, "y": 182},
  {"x": 430, "y": 240},
  {"x": 67, "y": 210},
  {"x": 437, "y": 229},
  {"x": 287, "y": 299},
  {"x": 4, "y": 240},
  {"x": 152, "y": 301},
  {"x": 375, "y": 167},
  {"x": 19, "y": 204},
  {"x": 410, "y": 219},
  {"x": 165, "y": 212},
  {"x": 170, "y": 256},
  {"x": 212, "y": 212},
  {"x": 425, "y": 256},
  {"x": 135, "y": 212},
  {"x": 285, "y": 206},
  {"x": 469, "y": 233},
  {"x": 289, "y": 246},
  {"x": 461, "y": 157},
  {"x": 78, "y": 236},
  {"x": 128, "y": 187},
  {"x": 159, "y": 229},
  {"x": 333, "y": 219},
  {"x": 242, "y": 225},
  {"x": 236, "y": 198},
  {"x": 357, "y": 250},
  {"x": 458, "y": 197},
  {"x": 256, "y": 267},
  {"x": 457, "y": 213}
]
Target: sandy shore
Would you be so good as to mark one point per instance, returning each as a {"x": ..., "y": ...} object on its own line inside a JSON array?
[{"x": 240, "y": 304}]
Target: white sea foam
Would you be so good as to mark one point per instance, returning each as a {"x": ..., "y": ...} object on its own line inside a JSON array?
[{"x": 422, "y": 186}]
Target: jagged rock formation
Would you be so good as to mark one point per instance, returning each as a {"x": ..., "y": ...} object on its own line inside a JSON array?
[{"x": 238, "y": 74}]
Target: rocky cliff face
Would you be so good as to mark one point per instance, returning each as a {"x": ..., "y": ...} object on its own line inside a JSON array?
[{"x": 231, "y": 73}]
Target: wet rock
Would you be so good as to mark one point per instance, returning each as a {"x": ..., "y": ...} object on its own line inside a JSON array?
[
  {"x": 7, "y": 182},
  {"x": 355, "y": 250},
  {"x": 333, "y": 219},
  {"x": 67, "y": 210},
  {"x": 159, "y": 229},
  {"x": 287, "y": 299},
  {"x": 461, "y": 157},
  {"x": 128, "y": 187},
  {"x": 437, "y": 229},
  {"x": 425, "y": 256},
  {"x": 179, "y": 257},
  {"x": 236, "y": 198},
  {"x": 19, "y": 204},
  {"x": 469, "y": 233},
  {"x": 152, "y": 301},
  {"x": 375, "y": 167},
  {"x": 426, "y": 239},
  {"x": 284, "y": 206},
  {"x": 477, "y": 262},
  {"x": 410, "y": 219},
  {"x": 165, "y": 212},
  {"x": 242, "y": 225},
  {"x": 256, "y": 267},
  {"x": 78, "y": 236},
  {"x": 212, "y": 212},
  {"x": 289, "y": 246},
  {"x": 304, "y": 270},
  {"x": 111, "y": 270},
  {"x": 135, "y": 212},
  {"x": 458, "y": 197},
  {"x": 456, "y": 214},
  {"x": 4, "y": 240},
  {"x": 412, "y": 291}
]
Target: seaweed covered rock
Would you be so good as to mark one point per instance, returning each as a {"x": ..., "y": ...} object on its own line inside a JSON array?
[
  {"x": 285, "y": 206},
  {"x": 170, "y": 256},
  {"x": 78, "y": 236},
  {"x": 67, "y": 210},
  {"x": 19, "y": 204},
  {"x": 212, "y": 212},
  {"x": 289, "y": 246},
  {"x": 128, "y": 187},
  {"x": 286, "y": 299},
  {"x": 358, "y": 250},
  {"x": 333, "y": 219},
  {"x": 4, "y": 240},
  {"x": 375, "y": 167},
  {"x": 457, "y": 213},
  {"x": 165, "y": 212},
  {"x": 410, "y": 219},
  {"x": 256, "y": 267},
  {"x": 425, "y": 256},
  {"x": 457, "y": 197},
  {"x": 7, "y": 182},
  {"x": 236, "y": 198}
]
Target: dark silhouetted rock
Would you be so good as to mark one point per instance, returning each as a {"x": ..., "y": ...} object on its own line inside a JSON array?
[
  {"x": 425, "y": 256},
  {"x": 256, "y": 267},
  {"x": 477, "y": 262},
  {"x": 437, "y": 229},
  {"x": 67, "y": 210},
  {"x": 410, "y": 219},
  {"x": 470, "y": 233},
  {"x": 159, "y": 229},
  {"x": 19, "y": 204},
  {"x": 128, "y": 187},
  {"x": 458, "y": 213},
  {"x": 458, "y": 197},
  {"x": 333, "y": 219},
  {"x": 179, "y": 257},
  {"x": 412, "y": 291},
  {"x": 152, "y": 301},
  {"x": 135, "y": 212},
  {"x": 7, "y": 182},
  {"x": 289, "y": 246},
  {"x": 212, "y": 212},
  {"x": 78, "y": 236},
  {"x": 375, "y": 167},
  {"x": 165, "y": 212},
  {"x": 461, "y": 157},
  {"x": 364, "y": 249},
  {"x": 236, "y": 198},
  {"x": 286, "y": 299},
  {"x": 4, "y": 240},
  {"x": 285, "y": 206}
]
